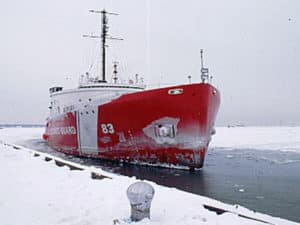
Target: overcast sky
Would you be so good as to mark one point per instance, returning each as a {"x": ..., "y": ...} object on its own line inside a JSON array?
[{"x": 251, "y": 48}]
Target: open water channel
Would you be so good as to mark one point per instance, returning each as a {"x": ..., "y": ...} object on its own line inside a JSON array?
[{"x": 265, "y": 181}]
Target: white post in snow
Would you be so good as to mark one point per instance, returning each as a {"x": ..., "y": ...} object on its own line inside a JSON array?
[{"x": 140, "y": 195}]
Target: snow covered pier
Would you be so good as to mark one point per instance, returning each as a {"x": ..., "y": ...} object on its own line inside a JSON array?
[{"x": 35, "y": 191}]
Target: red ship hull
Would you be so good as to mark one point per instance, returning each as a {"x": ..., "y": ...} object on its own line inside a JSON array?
[{"x": 166, "y": 126}]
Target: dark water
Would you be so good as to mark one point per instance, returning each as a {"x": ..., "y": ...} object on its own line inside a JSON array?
[{"x": 264, "y": 181}]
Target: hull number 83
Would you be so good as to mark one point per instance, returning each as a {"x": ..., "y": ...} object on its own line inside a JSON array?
[{"x": 107, "y": 128}]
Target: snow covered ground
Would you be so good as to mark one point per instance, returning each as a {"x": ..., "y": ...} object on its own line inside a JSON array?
[
  {"x": 35, "y": 191},
  {"x": 19, "y": 134},
  {"x": 263, "y": 138}
]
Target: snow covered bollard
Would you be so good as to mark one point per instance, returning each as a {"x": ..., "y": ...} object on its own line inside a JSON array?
[{"x": 140, "y": 195}]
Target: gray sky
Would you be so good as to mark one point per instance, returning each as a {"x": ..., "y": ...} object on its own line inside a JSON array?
[{"x": 251, "y": 48}]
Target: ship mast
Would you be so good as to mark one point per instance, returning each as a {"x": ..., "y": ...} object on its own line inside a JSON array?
[
  {"x": 104, "y": 36},
  {"x": 204, "y": 71},
  {"x": 104, "y": 30},
  {"x": 115, "y": 77}
]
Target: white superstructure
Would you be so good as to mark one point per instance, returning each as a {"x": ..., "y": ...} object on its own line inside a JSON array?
[{"x": 88, "y": 94}]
